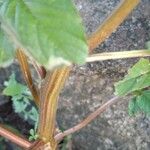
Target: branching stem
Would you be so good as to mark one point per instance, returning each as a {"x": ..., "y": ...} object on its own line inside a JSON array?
[{"x": 86, "y": 121}]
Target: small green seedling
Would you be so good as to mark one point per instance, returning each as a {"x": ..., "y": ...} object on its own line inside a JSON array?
[{"x": 33, "y": 135}]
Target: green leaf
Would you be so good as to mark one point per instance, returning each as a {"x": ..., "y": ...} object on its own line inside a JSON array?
[
  {"x": 133, "y": 107},
  {"x": 138, "y": 78},
  {"x": 13, "y": 87},
  {"x": 21, "y": 101},
  {"x": 143, "y": 102},
  {"x": 140, "y": 103},
  {"x": 19, "y": 106},
  {"x": 50, "y": 31},
  {"x": 34, "y": 114},
  {"x": 31, "y": 138},
  {"x": 6, "y": 51},
  {"x": 33, "y": 135},
  {"x": 32, "y": 132}
]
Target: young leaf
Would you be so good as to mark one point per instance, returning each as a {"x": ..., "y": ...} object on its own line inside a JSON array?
[
  {"x": 19, "y": 106},
  {"x": 13, "y": 87},
  {"x": 32, "y": 132},
  {"x": 21, "y": 100},
  {"x": 33, "y": 135},
  {"x": 50, "y": 31},
  {"x": 33, "y": 114},
  {"x": 31, "y": 138},
  {"x": 138, "y": 78}
]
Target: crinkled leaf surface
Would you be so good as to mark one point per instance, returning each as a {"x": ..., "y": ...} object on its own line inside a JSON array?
[
  {"x": 140, "y": 103},
  {"x": 21, "y": 100},
  {"x": 133, "y": 107},
  {"x": 143, "y": 102},
  {"x": 48, "y": 30},
  {"x": 138, "y": 78}
]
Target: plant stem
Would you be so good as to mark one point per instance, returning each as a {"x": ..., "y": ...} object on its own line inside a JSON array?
[
  {"x": 86, "y": 121},
  {"x": 49, "y": 98},
  {"x": 112, "y": 22},
  {"x": 118, "y": 55},
  {"x": 41, "y": 71},
  {"x": 22, "y": 58},
  {"x": 14, "y": 138},
  {"x": 39, "y": 145}
]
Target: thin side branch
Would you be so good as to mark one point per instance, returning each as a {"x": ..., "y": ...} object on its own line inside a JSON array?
[
  {"x": 22, "y": 58},
  {"x": 112, "y": 22},
  {"x": 118, "y": 55},
  {"x": 14, "y": 138},
  {"x": 86, "y": 121}
]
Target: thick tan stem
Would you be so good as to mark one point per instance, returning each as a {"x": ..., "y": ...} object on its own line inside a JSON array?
[
  {"x": 49, "y": 98},
  {"x": 14, "y": 138},
  {"x": 22, "y": 58},
  {"x": 112, "y": 22},
  {"x": 118, "y": 55}
]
